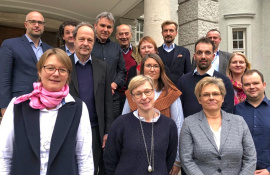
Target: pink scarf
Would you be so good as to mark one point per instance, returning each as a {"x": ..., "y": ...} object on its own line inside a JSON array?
[{"x": 41, "y": 98}]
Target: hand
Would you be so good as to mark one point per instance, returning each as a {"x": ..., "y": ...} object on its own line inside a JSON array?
[
  {"x": 175, "y": 170},
  {"x": 3, "y": 110},
  {"x": 104, "y": 140},
  {"x": 262, "y": 172},
  {"x": 113, "y": 87}
]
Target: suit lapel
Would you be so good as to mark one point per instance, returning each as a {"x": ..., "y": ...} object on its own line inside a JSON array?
[
  {"x": 96, "y": 73},
  {"x": 31, "y": 119},
  {"x": 74, "y": 74},
  {"x": 225, "y": 129},
  {"x": 28, "y": 47},
  {"x": 221, "y": 61},
  {"x": 63, "y": 122},
  {"x": 206, "y": 129}
]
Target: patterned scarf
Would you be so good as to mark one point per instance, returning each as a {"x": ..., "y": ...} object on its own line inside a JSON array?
[{"x": 240, "y": 96}]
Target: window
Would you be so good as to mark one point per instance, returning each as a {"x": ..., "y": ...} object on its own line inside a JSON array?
[
  {"x": 239, "y": 40},
  {"x": 139, "y": 32}
]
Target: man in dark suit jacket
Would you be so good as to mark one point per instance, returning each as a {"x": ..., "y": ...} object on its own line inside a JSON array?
[
  {"x": 90, "y": 82},
  {"x": 176, "y": 58},
  {"x": 18, "y": 60},
  {"x": 111, "y": 53},
  {"x": 221, "y": 59},
  {"x": 65, "y": 33}
]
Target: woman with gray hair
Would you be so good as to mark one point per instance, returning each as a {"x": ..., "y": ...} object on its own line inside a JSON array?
[
  {"x": 143, "y": 141},
  {"x": 213, "y": 141}
]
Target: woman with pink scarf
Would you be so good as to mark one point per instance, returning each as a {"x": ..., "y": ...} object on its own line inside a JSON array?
[
  {"x": 47, "y": 131},
  {"x": 238, "y": 64}
]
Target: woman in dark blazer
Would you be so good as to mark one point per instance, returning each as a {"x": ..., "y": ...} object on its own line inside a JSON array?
[
  {"x": 47, "y": 131},
  {"x": 213, "y": 141}
]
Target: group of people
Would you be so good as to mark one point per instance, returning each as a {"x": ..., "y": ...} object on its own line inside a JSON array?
[{"x": 62, "y": 107}]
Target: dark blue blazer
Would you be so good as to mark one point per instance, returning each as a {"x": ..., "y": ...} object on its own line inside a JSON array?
[
  {"x": 181, "y": 63},
  {"x": 17, "y": 69}
]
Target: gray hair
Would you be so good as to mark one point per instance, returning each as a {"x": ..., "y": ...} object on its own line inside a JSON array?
[
  {"x": 75, "y": 31},
  {"x": 129, "y": 26},
  {"x": 107, "y": 15}
]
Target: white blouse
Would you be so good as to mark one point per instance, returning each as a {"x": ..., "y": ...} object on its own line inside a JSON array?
[
  {"x": 216, "y": 135},
  {"x": 84, "y": 153}
]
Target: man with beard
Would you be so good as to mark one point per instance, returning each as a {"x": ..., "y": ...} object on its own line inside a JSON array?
[
  {"x": 221, "y": 59},
  {"x": 130, "y": 54},
  {"x": 90, "y": 82},
  {"x": 204, "y": 54},
  {"x": 65, "y": 33},
  {"x": 176, "y": 58},
  {"x": 111, "y": 53},
  {"x": 18, "y": 60}
]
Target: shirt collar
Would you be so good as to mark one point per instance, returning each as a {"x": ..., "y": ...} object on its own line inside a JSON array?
[
  {"x": 217, "y": 53},
  {"x": 165, "y": 47},
  {"x": 265, "y": 100},
  {"x": 76, "y": 59},
  {"x": 209, "y": 72},
  {"x": 155, "y": 119},
  {"x": 128, "y": 49},
  {"x": 30, "y": 41},
  {"x": 68, "y": 51}
]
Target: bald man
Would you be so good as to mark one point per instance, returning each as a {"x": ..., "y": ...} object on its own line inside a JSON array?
[
  {"x": 130, "y": 54},
  {"x": 18, "y": 60}
]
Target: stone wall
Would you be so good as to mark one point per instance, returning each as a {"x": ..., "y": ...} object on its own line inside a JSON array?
[{"x": 196, "y": 17}]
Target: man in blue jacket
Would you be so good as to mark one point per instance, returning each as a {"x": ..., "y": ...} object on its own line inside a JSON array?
[{"x": 18, "y": 60}]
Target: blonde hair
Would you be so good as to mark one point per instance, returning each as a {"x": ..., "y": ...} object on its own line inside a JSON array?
[
  {"x": 138, "y": 81},
  {"x": 248, "y": 65},
  {"x": 207, "y": 81},
  {"x": 60, "y": 55}
]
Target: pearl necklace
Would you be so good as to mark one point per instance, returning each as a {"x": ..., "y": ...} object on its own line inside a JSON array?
[{"x": 151, "y": 157}]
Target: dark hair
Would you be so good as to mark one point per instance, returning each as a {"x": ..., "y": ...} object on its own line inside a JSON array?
[
  {"x": 163, "y": 80},
  {"x": 62, "y": 28},
  {"x": 75, "y": 31},
  {"x": 168, "y": 23},
  {"x": 206, "y": 41},
  {"x": 252, "y": 71},
  {"x": 148, "y": 39}
]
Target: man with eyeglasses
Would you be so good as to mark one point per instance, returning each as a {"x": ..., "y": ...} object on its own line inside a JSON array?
[
  {"x": 204, "y": 54},
  {"x": 18, "y": 60}
]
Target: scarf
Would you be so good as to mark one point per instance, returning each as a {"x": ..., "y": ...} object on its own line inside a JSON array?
[
  {"x": 41, "y": 98},
  {"x": 240, "y": 96}
]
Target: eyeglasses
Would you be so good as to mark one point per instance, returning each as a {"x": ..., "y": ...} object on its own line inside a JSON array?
[
  {"x": 146, "y": 92},
  {"x": 208, "y": 95},
  {"x": 33, "y": 22},
  {"x": 49, "y": 69},
  {"x": 149, "y": 66}
]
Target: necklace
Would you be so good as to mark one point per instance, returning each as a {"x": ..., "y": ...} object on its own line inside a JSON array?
[{"x": 150, "y": 158}]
